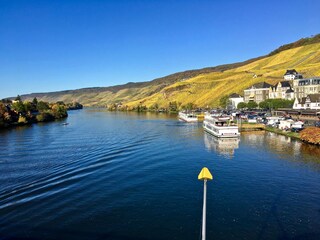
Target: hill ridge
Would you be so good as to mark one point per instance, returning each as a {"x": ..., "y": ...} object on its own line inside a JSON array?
[{"x": 182, "y": 86}]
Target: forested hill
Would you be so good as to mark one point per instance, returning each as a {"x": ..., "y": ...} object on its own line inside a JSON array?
[{"x": 203, "y": 86}]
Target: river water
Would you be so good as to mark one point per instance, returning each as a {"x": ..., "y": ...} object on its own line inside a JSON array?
[{"x": 124, "y": 176}]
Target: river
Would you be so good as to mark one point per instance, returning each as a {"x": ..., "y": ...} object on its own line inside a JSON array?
[{"x": 125, "y": 176}]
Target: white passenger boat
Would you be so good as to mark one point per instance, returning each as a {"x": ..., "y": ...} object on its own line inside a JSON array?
[
  {"x": 220, "y": 126},
  {"x": 188, "y": 116}
]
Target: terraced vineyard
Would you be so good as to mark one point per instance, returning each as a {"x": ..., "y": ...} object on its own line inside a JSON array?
[{"x": 203, "y": 87}]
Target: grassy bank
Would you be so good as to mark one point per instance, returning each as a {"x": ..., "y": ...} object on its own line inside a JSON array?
[
  {"x": 282, "y": 132},
  {"x": 309, "y": 135},
  {"x": 245, "y": 127}
]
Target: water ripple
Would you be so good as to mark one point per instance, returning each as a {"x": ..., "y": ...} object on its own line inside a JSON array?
[{"x": 110, "y": 175}]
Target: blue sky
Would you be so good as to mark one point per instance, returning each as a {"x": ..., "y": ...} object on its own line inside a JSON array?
[{"x": 58, "y": 45}]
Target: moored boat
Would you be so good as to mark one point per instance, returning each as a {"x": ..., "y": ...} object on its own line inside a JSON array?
[
  {"x": 188, "y": 116},
  {"x": 220, "y": 126}
]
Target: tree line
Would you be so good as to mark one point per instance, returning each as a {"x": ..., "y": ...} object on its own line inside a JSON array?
[
  {"x": 18, "y": 112},
  {"x": 267, "y": 104},
  {"x": 172, "y": 107}
]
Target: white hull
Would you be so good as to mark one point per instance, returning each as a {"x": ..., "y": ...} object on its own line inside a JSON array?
[
  {"x": 219, "y": 128},
  {"x": 188, "y": 117}
]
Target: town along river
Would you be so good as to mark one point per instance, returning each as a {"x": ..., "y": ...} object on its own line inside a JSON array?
[{"x": 124, "y": 176}]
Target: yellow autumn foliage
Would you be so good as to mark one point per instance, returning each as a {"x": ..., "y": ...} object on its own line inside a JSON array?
[
  {"x": 311, "y": 135},
  {"x": 206, "y": 89}
]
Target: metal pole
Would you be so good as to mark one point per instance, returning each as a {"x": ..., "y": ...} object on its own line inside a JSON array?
[
  {"x": 204, "y": 175},
  {"x": 204, "y": 209}
]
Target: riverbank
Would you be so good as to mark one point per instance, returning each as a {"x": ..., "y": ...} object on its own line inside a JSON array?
[
  {"x": 294, "y": 135},
  {"x": 309, "y": 135},
  {"x": 247, "y": 127},
  {"x": 18, "y": 113}
]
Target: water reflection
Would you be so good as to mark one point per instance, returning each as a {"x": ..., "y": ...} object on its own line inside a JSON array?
[
  {"x": 133, "y": 115},
  {"x": 285, "y": 147},
  {"x": 52, "y": 173},
  {"x": 223, "y": 146}
]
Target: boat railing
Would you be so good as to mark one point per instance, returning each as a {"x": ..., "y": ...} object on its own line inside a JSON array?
[{"x": 221, "y": 122}]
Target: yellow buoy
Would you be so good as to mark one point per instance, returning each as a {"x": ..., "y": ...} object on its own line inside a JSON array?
[{"x": 205, "y": 174}]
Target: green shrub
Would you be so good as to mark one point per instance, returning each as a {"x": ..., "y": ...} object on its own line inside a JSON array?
[
  {"x": 242, "y": 105},
  {"x": 44, "y": 117},
  {"x": 252, "y": 105}
]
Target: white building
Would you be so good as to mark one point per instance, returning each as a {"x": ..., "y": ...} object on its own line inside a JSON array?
[
  {"x": 234, "y": 100},
  {"x": 312, "y": 101},
  {"x": 291, "y": 74}
]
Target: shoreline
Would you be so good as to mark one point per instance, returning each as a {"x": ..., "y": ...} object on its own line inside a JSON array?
[
  {"x": 28, "y": 124},
  {"x": 251, "y": 127}
]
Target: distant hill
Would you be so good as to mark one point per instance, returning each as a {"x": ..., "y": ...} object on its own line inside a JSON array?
[
  {"x": 159, "y": 82},
  {"x": 299, "y": 43},
  {"x": 203, "y": 87}
]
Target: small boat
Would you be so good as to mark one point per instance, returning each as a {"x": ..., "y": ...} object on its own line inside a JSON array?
[
  {"x": 188, "y": 116},
  {"x": 65, "y": 124},
  {"x": 220, "y": 126}
]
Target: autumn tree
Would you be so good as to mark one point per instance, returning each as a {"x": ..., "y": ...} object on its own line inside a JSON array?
[{"x": 59, "y": 111}]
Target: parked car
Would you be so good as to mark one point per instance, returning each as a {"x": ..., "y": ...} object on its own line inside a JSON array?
[
  {"x": 298, "y": 124},
  {"x": 296, "y": 129},
  {"x": 252, "y": 118}
]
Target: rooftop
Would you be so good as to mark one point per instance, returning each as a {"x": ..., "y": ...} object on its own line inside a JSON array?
[
  {"x": 235, "y": 95},
  {"x": 291, "y": 71},
  {"x": 261, "y": 85},
  {"x": 284, "y": 84}
]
